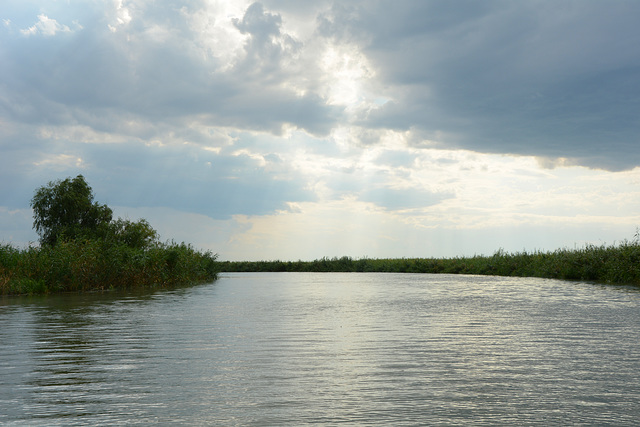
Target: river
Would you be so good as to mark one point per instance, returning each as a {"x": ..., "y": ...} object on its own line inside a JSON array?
[{"x": 273, "y": 349}]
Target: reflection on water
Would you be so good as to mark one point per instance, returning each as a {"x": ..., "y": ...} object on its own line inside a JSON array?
[{"x": 274, "y": 349}]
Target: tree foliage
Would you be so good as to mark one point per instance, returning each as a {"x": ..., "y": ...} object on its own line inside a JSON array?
[
  {"x": 65, "y": 210},
  {"x": 138, "y": 235}
]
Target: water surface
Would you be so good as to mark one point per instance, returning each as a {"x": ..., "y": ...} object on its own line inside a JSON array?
[{"x": 326, "y": 348}]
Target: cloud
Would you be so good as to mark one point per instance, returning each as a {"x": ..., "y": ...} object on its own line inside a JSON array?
[
  {"x": 194, "y": 169},
  {"x": 148, "y": 70},
  {"x": 261, "y": 25},
  {"x": 45, "y": 26},
  {"x": 528, "y": 78},
  {"x": 402, "y": 199}
]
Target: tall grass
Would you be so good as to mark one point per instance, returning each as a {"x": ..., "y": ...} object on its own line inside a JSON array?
[
  {"x": 85, "y": 265},
  {"x": 616, "y": 264}
]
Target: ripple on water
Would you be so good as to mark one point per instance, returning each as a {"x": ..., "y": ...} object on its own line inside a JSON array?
[{"x": 277, "y": 349}]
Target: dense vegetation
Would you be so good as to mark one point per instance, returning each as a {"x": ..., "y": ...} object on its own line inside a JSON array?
[
  {"x": 607, "y": 264},
  {"x": 82, "y": 248}
]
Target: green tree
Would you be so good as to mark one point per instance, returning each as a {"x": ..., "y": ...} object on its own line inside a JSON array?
[
  {"x": 65, "y": 210},
  {"x": 139, "y": 234}
]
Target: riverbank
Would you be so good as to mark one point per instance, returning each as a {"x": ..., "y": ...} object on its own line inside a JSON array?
[
  {"x": 90, "y": 265},
  {"x": 615, "y": 264},
  {"x": 94, "y": 265}
]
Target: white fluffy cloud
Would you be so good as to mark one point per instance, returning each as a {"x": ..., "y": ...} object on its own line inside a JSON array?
[{"x": 46, "y": 27}]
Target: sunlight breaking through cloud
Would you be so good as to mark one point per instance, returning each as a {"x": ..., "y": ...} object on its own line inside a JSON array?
[{"x": 294, "y": 130}]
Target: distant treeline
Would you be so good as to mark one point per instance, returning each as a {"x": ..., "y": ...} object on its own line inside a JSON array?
[{"x": 618, "y": 264}]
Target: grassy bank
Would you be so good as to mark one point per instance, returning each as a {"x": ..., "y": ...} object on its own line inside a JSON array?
[
  {"x": 89, "y": 265},
  {"x": 616, "y": 264}
]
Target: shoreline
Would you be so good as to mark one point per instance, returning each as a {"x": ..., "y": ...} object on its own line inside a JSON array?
[{"x": 618, "y": 264}]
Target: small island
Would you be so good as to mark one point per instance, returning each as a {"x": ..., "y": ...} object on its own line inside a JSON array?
[{"x": 82, "y": 248}]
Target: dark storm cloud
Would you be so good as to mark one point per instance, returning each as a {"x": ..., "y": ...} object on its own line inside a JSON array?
[{"x": 551, "y": 79}]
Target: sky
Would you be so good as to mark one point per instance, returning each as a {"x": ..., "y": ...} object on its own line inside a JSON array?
[{"x": 295, "y": 130}]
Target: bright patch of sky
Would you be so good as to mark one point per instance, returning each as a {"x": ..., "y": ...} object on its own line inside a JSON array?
[{"x": 295, "y": 130}]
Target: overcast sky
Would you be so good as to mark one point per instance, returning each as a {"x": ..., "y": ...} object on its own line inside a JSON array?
[{"x": 285, "y": 129}]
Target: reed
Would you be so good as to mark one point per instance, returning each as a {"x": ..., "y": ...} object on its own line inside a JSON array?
[
  {"x": 614, "y": 264},
  {"x": 93, "y": 265}
]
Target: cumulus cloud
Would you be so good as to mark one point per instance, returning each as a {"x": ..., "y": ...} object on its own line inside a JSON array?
[
  {"x": 45, "y": 26},
  {"x": 532, "y": 78},
  {"x": 155, "y": 71}
]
